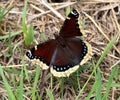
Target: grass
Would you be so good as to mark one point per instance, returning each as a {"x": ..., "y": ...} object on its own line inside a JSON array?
[
  {"x": 10, "y": 93},
  {"x": 50, "y": 94},
  {"x": 20, "y": 81},
  {"x": 34, "y": 89},
  {"x": 12, "y": 35},
  {"x": 105, "y": 52},
  {"x": 4, "y": 11},
  {"x": 28, "y": 32}
]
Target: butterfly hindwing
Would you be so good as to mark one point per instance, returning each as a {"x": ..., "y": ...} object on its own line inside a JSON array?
[{"x": 68, "y": 58}]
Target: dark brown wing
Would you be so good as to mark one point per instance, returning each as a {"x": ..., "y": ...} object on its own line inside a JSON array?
[
  {"x": 72, "y": 26},
  {"x": 68, "y": 58},
  {"x": 42, "y": 53}
]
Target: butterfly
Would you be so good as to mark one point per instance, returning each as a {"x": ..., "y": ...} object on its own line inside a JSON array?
[{"x": 64, "y": 54}]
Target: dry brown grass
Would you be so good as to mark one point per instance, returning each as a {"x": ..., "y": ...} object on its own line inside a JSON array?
[{"x": 101, "y": 25}]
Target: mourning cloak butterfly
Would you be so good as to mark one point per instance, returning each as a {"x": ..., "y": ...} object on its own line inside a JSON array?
[{"x": 65, "y": 53}]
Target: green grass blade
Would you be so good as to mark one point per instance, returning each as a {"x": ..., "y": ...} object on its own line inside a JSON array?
[
  {"x": 21, "y": 86},
  {"x": 10, "y": 45},
  {"x": 26, "y": 72},
  {"x": 27, "y": 32},
  {"x": 91, "y": 91},
  {"x": 49, "y": 93},
  {"x": 78, "y": 81},
  {"x": 30, "y": 35},
  {"x": 107, "y": 49},
  {"x": 35, "y": 83},
  {"x": 68, "y": 10},
  {"x": 98, "y": 86},
  {"x": 4, "y": 11},
  {"x": 115, "y": 85},
  {"x": 51, "y": 81},
  {"x": 12, "y": 70},
  {"x": 108, "y": 85},
  {"x": 7, "y": 86},
  {"x": 12, "y": 34},
  {"x": 24, "y": 26},
  {"x": 24, "y": 67}
]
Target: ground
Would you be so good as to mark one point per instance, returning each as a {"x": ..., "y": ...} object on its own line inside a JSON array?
[{"x": 101, "y": 24}]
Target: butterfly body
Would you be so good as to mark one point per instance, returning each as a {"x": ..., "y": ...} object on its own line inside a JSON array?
[{"x": 65, "y": 53}]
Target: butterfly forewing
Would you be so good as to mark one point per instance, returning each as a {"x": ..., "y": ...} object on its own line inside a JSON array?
[{"x": 71, "y": 26}]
